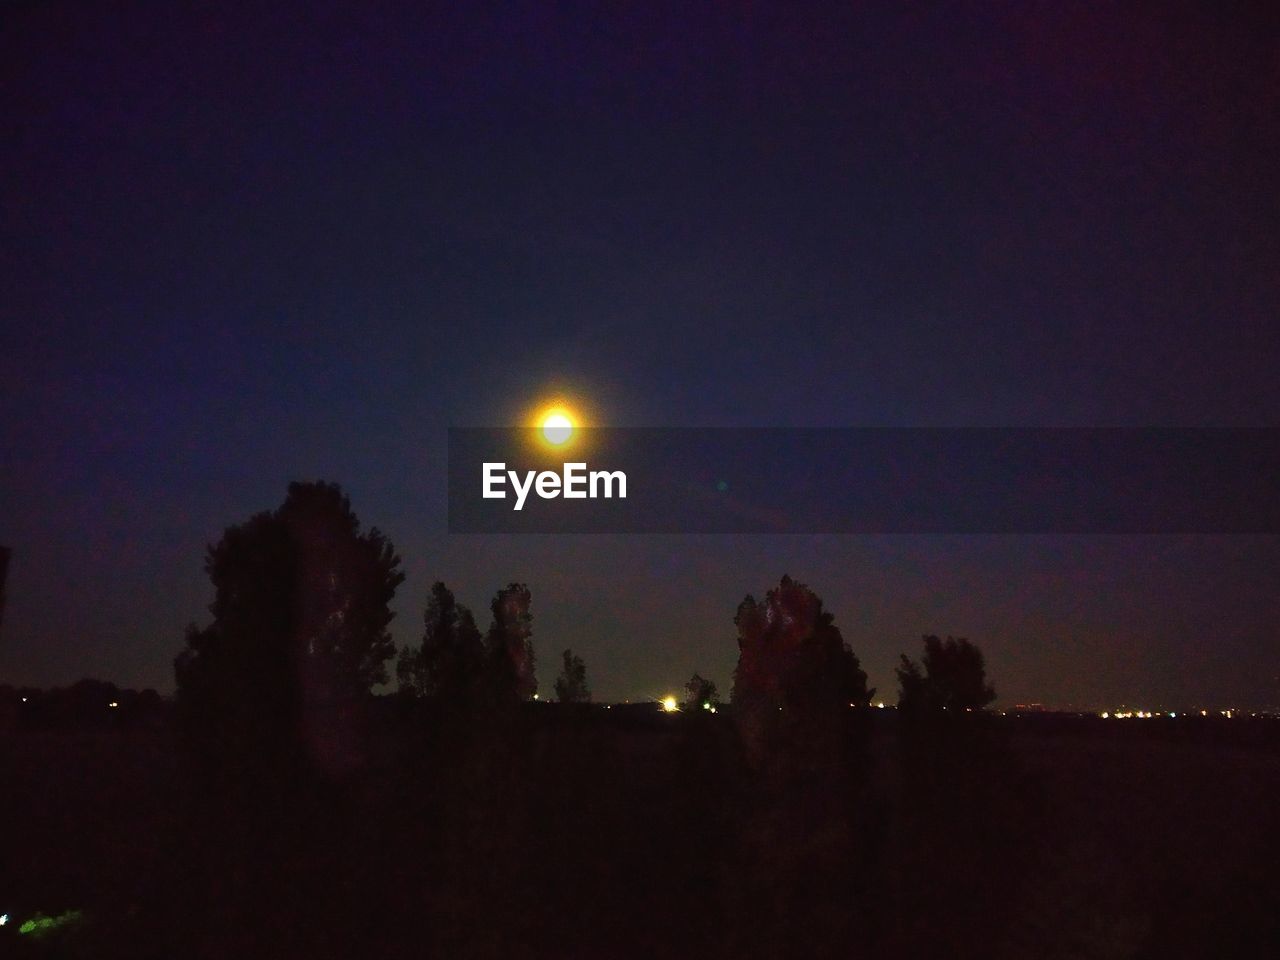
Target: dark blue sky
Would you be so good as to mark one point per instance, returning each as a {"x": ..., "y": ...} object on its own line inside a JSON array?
[{"x": 244, "y": 245}]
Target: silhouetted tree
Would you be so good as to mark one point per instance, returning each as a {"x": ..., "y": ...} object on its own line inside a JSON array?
[
  {"x": 346, "y": 582},
  {"x": 571, "y": 685},
  {"x": 509, "y": 647},
  {"x": 236, "y": 678},
  {"x": 300, "y": 614},
  {"x": 271, "y": 702},
  {"x": 793, "y": 689},
  {"x": 449, "y": 664},
  {"x": 700, "y": 691},
  {"x": 963, "y": 808},
  {"x": 796, "y": 677},
  {"x": 952, "y": 676},
  {"x": 791, "y": 654}
]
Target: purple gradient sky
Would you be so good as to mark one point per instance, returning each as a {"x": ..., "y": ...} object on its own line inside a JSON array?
[{"x": 244, "y": 246}]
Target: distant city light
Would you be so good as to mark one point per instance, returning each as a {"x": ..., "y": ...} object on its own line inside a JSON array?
[
  {"x": 4, "y": 918},
  {"x": 706, "y": 705},
  {"x": 669, "y": 704},
  {"x": 113, "y": 704},
  {"x": 1105, "y": 714}
]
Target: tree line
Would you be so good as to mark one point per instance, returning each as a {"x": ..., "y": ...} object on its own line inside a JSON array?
[
  {"x": 301, "y": 612},
  {"x": 303, "y": 816}
]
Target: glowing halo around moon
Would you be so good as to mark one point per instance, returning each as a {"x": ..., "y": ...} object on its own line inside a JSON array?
[{"x": 558, "y": 423}]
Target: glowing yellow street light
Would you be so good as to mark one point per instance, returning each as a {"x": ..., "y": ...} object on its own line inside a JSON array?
[{"x": 669, "y": 704}]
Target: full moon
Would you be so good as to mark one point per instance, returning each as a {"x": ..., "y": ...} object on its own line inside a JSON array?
[{"x": 557, "y": 428}]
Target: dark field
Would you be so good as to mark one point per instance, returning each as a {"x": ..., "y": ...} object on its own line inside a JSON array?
[{"x": 593, "y": 832}]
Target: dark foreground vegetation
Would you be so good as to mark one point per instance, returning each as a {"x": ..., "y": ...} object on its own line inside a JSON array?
[
  {"x": 277, "y": 808},
  {"x": 628, "y": 832}
]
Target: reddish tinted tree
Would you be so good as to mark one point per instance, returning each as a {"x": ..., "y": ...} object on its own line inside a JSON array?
[
  {"x": 509, "y": 645},
  {"x": 796, "y": 677}
]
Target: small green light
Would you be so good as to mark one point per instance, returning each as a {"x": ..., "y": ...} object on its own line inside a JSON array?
[{"x": 40, "y": 925}]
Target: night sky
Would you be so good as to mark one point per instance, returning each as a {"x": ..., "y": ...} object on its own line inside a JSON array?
[{"x": 244, "y": 246}]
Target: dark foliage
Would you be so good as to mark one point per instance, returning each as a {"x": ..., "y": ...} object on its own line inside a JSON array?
[
  {"x": 571, "y": 685},
  {"x": 298, "y": 637},
  {"x": 953, "y": 677},
  {"x": 449, "y": 666},
  {"x": 573, "y": 830},
  {"x": 271, "y": 703},
  {"x": 509, "y": 646},
  {"x": 993, "y": 836},
  {"x": 796, "y": 678},
  {"x": 700, "y": 693},
  {"x": 85, "y": 705}
]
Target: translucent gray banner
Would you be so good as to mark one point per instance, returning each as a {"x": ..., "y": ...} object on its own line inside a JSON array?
[{"x": 870, "y": 481}]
